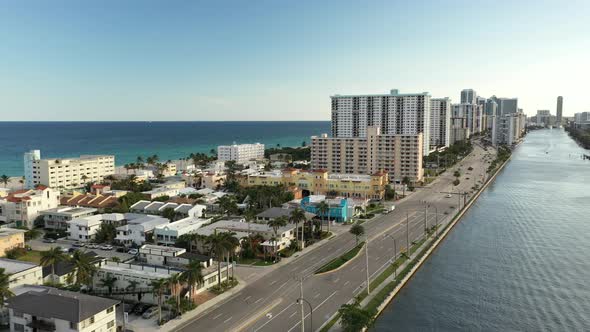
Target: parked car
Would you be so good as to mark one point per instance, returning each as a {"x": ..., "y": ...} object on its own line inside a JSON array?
[
  {"x": 133, "y": 252},
  {"x": 141, "y": 308},
  {"x": 91, "y": 246},
  {"x": 49, "y": 240},
  {"x": 106, "y": 247},
  {"x": 64, "y": 249},
  {"x": 151, "y": 312},
  {"x": 78, "y": 244}
]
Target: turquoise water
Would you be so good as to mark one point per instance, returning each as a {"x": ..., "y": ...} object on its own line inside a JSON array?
[
  {"x": 127, "y": 140},
  {"x": 519, "y": 260}
]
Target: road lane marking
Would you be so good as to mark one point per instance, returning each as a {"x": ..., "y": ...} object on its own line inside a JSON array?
[
  {"x": 272, "y": 283},
  {"x": 314, "y": 309},
  {"x": 346, "y": 283},
  {"x": 260, "y": 299},
  {"x": 247, "y": 297},
  {"x": 275, "y": 316},
  {"x": 219, "y": 315},
  {"x": 293, "y": 314},
  {"x": 255, "y": 317},
  {"x": 227, "y": 320},
  {"x": 316, "y": 296}
]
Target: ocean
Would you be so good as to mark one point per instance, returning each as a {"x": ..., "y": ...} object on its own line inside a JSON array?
[
  {"x": 127, "y": 140},
  {"x": 518, "y": 260}
]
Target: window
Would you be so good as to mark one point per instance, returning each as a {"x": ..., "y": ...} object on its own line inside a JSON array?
[
  {"x": 109, "y": 310},
  {"x": 17, "y": 313},
  {"x": 19, "y": 327},
  {"x": 110, "y": 324},
  {"x": 92, "y": 320}
]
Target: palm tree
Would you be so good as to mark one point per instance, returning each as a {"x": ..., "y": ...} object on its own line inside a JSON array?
[
  {"x": 275, "y": 224},
  {"x": 193, "y": 275},
  {"x": 324, "y": 210},
  {"x": 173, "y": 282},
  {"x": 83, "y": 270},
  {"x": 110, "y": 178},
  {"x": 357, "y": 230},
  {"x": 297, "y": 216},
  {"x": 109, "y": 283},
  {"x": 5, "y": 291},
  {"x": 4, "y": 179},
  {"x": 139, "y": 160},
  {"x": 230, "y": 242},
  {"x": 159, "y": 286},
  {"x": 52, "y": 257},
  {"x": 217, "y": 246}
]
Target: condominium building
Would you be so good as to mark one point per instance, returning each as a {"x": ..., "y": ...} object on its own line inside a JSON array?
[
  {"x": 22, "y": 207},
  {"x": 440, "y": 122},
  {"x": 169, "y": 233},
  {"x": 508, "y": 129},
  {"x": 398, "y": 155},
  {"x": 11, "y": 238},
  {"x": 240, "y": 153},
  {"x": 137, "y": 228},
  {"x": 468, "y": 116},
  {"x": 66, "y": 173},
  {"x": 49, "y": 309},
  {"x": 468, "y": 96},
  {"x": 559, "y": 110},
  {"x": 84, "y": 229},
  {"x": 58, "y": 218},
  {"x": 321, "y": 182},
  {"x": 505, "y": 105},
  {"x": 394, "y": 114}
]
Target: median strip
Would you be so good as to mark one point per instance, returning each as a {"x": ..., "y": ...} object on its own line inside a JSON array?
[{"x": 340, "y": 261}]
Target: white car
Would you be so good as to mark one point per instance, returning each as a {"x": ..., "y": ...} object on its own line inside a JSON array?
[
  {"x": 133, "y": 252},
  {"x": 106, "y": 247}
]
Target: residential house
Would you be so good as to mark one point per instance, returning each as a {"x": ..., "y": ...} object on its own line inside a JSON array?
[
  {"x": 22, "y": 207},
  {"x": 57, "y": 218}
]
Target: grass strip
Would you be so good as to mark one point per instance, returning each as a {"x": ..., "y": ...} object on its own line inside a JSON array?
[{"x": 340, "y": 260}]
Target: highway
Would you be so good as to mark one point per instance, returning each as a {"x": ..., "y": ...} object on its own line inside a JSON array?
[{"x": 269, "y": 303}]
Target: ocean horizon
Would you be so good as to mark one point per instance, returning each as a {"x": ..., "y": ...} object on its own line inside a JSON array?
[{"x": 129, "y": 139}]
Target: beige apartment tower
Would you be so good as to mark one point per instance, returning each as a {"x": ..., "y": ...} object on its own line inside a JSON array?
[{"x": 398, "y": 155}]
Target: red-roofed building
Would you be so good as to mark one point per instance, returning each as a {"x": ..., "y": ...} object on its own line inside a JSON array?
[{"x": 22, "y": 207}]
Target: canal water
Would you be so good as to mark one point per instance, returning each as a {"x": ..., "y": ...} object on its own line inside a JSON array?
[{"x": 520, "y": 258}]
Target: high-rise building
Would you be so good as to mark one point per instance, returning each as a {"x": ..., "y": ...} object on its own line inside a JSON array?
[
  {"x": 66, "y": 173},
  {"x": 440, "y": 122},
  {"x": 468, "y": 116},
  {"x": 394, "y": 114},
  {"x": 559, "y": 110},
  {"x": 30, "y": 158},
  {"x": 506, "y": 105},
  {"x": 240, "y": 153},
  {"x": 468, "y": 96},
  {"x": 398, "y": 155}
]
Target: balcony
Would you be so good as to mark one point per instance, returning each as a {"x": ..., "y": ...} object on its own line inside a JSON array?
[{"x": 41, "y": 325}]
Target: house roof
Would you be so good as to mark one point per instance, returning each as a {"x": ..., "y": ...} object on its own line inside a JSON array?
[
  {"x": 12, "y": 266},
  {"x": 60, "y": 304},
  {"x": 276, "y": 212}
]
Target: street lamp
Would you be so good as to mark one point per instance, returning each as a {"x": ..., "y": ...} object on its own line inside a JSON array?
[
  {"x": 300, "y": 301},
  {"x": 367, "y": 261},
  {"x": 394, "y": 254}
]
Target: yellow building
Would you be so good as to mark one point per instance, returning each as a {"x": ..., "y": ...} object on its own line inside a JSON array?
[
  {"x": 11, "y": 238},
  {"x": 320, "y": 182}
]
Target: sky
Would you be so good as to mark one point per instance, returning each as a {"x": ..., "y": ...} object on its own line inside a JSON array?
[{"x": 143, "y": 60}]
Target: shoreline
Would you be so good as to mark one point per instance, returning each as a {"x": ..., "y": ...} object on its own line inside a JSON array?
[{"x": 431, "y": 247}]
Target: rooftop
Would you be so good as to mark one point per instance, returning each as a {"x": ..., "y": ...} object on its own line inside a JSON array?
[
  {"x": 12, "y": 266},
  {"x": 69, "y": 210},
  {"x": 55, "y": 303},
  {"x": 10, "y": 231},
  {"x": 155, "y": 248},
  {"x": 190, "y": 222},
  {"x": 276, "y": 212}
]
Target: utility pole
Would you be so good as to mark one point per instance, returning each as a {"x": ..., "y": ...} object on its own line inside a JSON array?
[
  {"x": 436, "y": 222},
  {"x": 367, "y": 267},
  {"x": 425, "y": 219},
  {"x": 302, "y": 312},
  {"x": 394, "y": 256}
]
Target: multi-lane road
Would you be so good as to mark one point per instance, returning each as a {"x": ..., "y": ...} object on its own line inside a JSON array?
[{"x": 269, "y": 303}]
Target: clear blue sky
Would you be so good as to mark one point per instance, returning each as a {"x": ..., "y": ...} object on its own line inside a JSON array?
[{"x": 281, "y": 60}]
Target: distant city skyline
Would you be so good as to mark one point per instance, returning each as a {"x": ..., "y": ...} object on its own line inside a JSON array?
[{"x": 270, "y": 60}]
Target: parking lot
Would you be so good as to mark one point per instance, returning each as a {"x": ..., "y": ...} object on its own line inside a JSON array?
[{"x": 40, "y": 245}]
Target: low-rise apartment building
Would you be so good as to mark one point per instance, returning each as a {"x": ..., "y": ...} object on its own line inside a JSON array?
[
  {"x": 398, "y": 155},
  {"x": 66, "y": 173},
  {"x": 21, "y": 273},
  {"x": 11, "y": 238},
  {"x": 320, "y": 182},
  {"x": 22, "y": 207},
  {"x": 84, "y": 229},
  {"x": 50, "y": 309},
  {"x": 169, "y": 233},
  {"x": 58, "y": 218},
  {"x": 181, "y": 211},
  {"x": 138, "y": 228},
  {"x": 99, "y": 202},
  {"x": 240, "y": 153}
]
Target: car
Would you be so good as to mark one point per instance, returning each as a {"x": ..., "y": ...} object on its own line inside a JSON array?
[
  {"x": 141, "y": 308},
  {"x": 64, "y": 250},
  {"x": 91, "y": 246},
  {"x": 78, "y": 244},
  {"x": 106, "y": 247},
  {"x": 151, "y": 312},
  {"x": 49, "y": 240},
  {"x": 449, "y": 196},
  {"x": 133, "y": 252}
]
